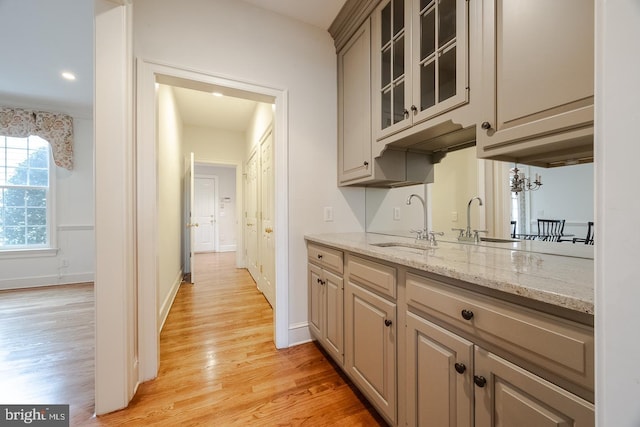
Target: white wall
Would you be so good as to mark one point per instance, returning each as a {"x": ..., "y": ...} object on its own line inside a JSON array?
[
  {"x": 236, "y": 40},
  {"x": 170, "y": 190},
  {"x": 382, "y": 202},
  {"x": 74, "y": 224},
  {"x": 455, "y": 183},
  {"x": 566, "y": 193},
  {"x": 617, "y": 289},
  {"x": 227, "y": 204}
]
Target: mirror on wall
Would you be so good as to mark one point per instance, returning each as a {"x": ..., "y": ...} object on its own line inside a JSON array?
[
  {"x": 456, "y": 182},
  {"x": 567, "y": 193}
]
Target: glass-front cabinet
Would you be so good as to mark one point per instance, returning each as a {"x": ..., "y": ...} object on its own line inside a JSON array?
[{"x": 420, "y": 65}]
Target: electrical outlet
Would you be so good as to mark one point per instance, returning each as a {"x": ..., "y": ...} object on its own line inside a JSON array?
[
  {"x": 328, "y": 214},
  {"x": 396, "y": 214},
  {"x": 454, "y": 216}
]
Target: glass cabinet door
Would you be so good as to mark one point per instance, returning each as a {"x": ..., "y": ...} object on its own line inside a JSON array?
[
  {"x": 391, "y": 49},
  {"x": 439, "y": 56}
]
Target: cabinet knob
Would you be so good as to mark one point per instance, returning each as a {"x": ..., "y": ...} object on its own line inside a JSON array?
[
  {"x": 414, "y": 109},
  {"x": 319, "y": 256},
  {"x": 366, "y": 164},
  {"x": 485, "y": 125},
  {"x": 460, "y": 368},
  {"x": 467, "y": 314},
  {"x": 387, "y": 322},
  {"x": 479, "y": 380},
  {"x": 406, "y": 113}
]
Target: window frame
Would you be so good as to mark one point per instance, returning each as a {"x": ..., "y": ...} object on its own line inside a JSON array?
[{"x": 49, "y": 248}]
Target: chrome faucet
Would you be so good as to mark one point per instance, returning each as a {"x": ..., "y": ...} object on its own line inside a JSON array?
[
  {"x": 465, "y": 234},
  {"x": 422, "y": 234}
]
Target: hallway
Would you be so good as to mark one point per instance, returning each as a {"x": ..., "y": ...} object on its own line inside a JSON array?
[{"x": 219, "y": 365}]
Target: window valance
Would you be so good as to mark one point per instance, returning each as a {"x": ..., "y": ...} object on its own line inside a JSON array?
[{"x": 56, "y": 128}]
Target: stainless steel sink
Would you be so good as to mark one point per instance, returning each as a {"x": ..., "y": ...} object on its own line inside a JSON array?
[{"x": 498, "y": 240}]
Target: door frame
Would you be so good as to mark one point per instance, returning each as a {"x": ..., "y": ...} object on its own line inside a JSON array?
[{"x": 147, "y": 72}]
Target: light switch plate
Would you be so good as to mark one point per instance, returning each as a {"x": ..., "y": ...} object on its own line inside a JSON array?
[
  {"x": 454, "y": 216},
  {"x": 328, "y": 214},
  {"x": 396, "y": 214}
]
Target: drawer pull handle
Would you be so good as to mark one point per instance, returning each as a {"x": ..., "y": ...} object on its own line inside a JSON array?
[
  {"x": 460, "y": 368},
  {"x": 480, "y": 381},
  {"x": 387, "y": 322},
  {"x": 467, "y": 314}
]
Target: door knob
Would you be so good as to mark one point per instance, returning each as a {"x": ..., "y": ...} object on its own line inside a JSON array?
[{"x": 268, "y": 230}]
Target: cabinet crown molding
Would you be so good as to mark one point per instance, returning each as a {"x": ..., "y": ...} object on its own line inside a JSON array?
[{"x": 349, "y": 19}]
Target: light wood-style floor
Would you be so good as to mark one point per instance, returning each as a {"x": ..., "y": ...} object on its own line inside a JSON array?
[{"x": 218, "y": 364}]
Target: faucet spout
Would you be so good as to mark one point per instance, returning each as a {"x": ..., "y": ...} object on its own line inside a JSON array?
[
  {"x": 469, "y": 213},
  {"x": 424, "y": 209}
]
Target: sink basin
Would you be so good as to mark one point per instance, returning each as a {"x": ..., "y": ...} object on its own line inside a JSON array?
[{"x": 498, "y": 240}]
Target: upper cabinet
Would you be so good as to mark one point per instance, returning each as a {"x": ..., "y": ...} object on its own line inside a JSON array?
[
  {"x": 537, "y": 78},
  {"x": 514, "y": 78},
  {"x": 354, "y": 108},
  {"x": 420, "y": 62}
]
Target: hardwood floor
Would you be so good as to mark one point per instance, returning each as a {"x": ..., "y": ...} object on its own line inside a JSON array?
[{"x": 218, "y": 367}]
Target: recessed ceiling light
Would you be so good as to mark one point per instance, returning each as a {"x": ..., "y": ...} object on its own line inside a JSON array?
[
  {"x": 69, "y": 76},
  {"x": 216, "y": 94}
]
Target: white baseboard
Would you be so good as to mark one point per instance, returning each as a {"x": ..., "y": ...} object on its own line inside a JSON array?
[
  {"x": 49, "y": 280},
  {"x": 227, "y": 248},
  {"x": 168, "y": 301},
  {"x": 299, "y": 334}
]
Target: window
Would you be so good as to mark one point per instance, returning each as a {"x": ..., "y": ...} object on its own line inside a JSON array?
[{"x": 25, "y": 193}]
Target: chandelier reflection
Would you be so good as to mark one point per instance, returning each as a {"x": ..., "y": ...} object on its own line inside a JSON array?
[{"x": 520, "y": 183}]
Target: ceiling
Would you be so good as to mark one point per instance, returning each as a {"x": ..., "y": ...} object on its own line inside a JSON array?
[{"x": 48, "y": 37}]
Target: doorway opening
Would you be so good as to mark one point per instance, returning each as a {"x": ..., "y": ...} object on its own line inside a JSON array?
[{"x": 149, "y": 76}]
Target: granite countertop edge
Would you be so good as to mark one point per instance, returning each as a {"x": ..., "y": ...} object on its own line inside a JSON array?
[{"x": 560, "y": 280}]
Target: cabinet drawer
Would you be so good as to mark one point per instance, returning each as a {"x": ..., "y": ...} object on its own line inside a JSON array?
[
  {"x": 378, "y": 277},
  {"x": 326, "y": 257},
  {"x": 560, "y": 346}
]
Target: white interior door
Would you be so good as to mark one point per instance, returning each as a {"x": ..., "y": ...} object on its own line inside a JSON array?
[
  {"x": 267, "y": 245},
  {"x": 206, "y": 195},
  {"x": 251, "y": 216}
]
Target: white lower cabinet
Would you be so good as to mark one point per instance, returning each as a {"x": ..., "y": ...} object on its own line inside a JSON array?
[
  {"x": 454, "y": 383},
  {"x": 439, "y": 376},
  {"x": 326, "y": 300},
  {"x": 371, "y": 347},
  {"x": 508, "y": 395},
  {"x": 433, "y": 354}
]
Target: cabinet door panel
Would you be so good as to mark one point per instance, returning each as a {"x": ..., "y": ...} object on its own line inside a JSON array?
[
  {"x": 542, "y": 59},
  {"x": 513, "y": 396},
  {"x": 437, "y": 394},
  {"x": 371, "y": 351},
  {"x": 538, "y": 81},
  {"x": 354, "y": 106},
  {"x": 315, "y": 300},
  {"x": 334, "y": 324}
]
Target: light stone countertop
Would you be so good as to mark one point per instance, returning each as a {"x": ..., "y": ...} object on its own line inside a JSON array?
[{"x": 560, "y": 274}]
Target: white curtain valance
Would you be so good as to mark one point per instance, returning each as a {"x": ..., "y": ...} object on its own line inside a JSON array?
[{"x": 56, "y": 128}]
